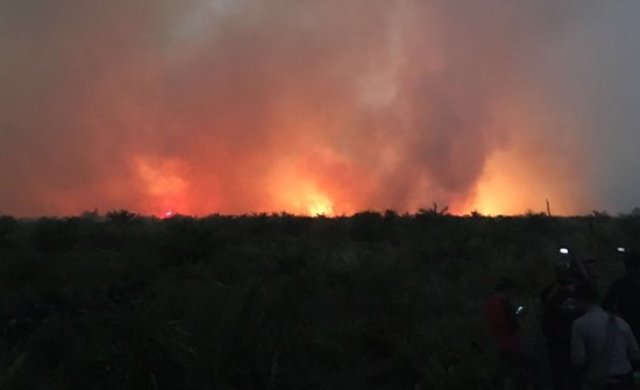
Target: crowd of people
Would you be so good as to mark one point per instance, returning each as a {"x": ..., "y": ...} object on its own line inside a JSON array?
[{"x": 591, "y": 344}]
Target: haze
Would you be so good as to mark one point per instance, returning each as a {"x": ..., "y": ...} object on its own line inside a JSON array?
[{"x": 318, "y": 107}]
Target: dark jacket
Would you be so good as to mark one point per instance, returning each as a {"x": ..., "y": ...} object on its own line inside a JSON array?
[{"x": 623, "y": 298}]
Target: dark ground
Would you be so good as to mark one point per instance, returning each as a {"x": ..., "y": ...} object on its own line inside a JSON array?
[{"x": 375, "y": 301}]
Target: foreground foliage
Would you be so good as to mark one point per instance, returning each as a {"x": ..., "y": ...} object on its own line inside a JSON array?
[{"x": 375, "y": 301}]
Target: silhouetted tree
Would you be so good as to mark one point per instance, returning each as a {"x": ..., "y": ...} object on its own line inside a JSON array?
[{"x": 122, "y": 217}]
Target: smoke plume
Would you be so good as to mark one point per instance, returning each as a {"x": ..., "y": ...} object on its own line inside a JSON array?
[{"x": 201, "y": 106}]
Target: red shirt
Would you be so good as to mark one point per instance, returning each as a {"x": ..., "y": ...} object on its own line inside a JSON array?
[{"x": 502, "y": 323}]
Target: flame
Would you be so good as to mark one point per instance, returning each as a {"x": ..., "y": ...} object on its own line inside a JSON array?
[
  {"x": 526, "y": 168},
  {"x": 513, "y": 184},
  {"x": 319, "y": 205},
  {"x": 305, "y": 199},
  {"x": 492, "y": 198},
  {"x": 296, "y": 189}
]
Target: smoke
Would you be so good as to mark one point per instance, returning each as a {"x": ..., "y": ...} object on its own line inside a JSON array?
[{"x": 203, "y": 106}]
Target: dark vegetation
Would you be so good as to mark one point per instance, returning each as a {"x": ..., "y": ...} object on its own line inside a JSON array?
[{"x": 376, "y": 301}]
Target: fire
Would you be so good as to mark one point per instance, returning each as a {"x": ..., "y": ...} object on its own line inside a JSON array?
[
  {"x": 490, "y": 202},
  {"x": 505, "y": 187},
  {"x": 298, "y": 193},
  {"x": 305, "y": 199},
  {"x": 319, "y": 205},
  {"x": 527, "y": 168},
  {"x": 299, "y": 185},
  {"x": 511, "y": 184}
]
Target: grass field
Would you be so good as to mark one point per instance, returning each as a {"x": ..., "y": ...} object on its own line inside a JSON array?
[{"x": 372, "y": 301}]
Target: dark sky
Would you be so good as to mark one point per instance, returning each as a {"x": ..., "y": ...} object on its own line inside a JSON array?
[{"x": 236, "y": 106}]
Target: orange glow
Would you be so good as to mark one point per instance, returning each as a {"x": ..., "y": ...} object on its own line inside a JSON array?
[
  {"x": 304, "y": 198},
  {"x": 296, "y": 188},
  {"x": 497, "y": 193},
  {"x": 164, "y": 183},
  {"x": 305, "y": 107},
  {"x": 513, "y": 191},
  {"x": 513, "y": 185},
  {"x": 316, "y": 182},
  {"x": 529, "y": 169},
  {"x": 319, "y": 205}
]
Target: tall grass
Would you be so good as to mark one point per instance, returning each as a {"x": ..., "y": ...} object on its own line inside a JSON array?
[{"x": 377, "y": 301}]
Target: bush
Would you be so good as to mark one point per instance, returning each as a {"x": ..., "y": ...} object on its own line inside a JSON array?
[{"x": 272, "y": 301}]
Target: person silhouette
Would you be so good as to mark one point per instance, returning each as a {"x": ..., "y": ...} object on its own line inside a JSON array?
[{"x": 623, "y": 296}]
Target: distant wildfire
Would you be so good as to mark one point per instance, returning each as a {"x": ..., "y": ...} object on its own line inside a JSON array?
[{"x": 313, "y": 108}]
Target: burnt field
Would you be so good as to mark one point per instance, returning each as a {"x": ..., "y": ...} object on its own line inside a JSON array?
[{"x": 377, "y": 301}]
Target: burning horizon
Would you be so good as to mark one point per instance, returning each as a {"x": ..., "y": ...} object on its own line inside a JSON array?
[{"x": 314, "y": 108}]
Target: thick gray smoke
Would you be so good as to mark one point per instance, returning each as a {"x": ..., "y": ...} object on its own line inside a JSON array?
[{"x": 329, "y": 106}]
